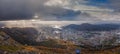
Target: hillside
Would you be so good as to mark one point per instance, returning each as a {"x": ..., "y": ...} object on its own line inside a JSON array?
[{"x": 18, "y": 41}]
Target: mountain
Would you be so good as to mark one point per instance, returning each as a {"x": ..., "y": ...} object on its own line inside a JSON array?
[
  {"x": 93, "y": 27},
  {"x": 22, "y": 41},
  {"x": 9, "y": 46},
  {"x": 22, "y": 35},
  {"x": 18, "y": 40},
  {"x": 74, "y": 33}
]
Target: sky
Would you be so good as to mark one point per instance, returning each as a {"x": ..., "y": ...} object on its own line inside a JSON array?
[{"x": 60, "y": 10}]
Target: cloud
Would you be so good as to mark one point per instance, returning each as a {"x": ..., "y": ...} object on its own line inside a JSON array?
[
  {"x": 115, "y": 4},
  {"x": 87, "y": 12},
  {"x": 55, "y": 10},
  {"x": 14, "y": 9},
  {"x": 27, "y": 9}
]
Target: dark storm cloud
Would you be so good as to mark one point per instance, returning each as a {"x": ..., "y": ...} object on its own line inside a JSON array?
[
  {"x": 26, "y": 9},
  {"x": 60, "y": 13},
  {"x": 14, "y": 9}
]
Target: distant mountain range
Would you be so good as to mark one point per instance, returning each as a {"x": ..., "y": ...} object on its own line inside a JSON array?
[{"x": 93, "y": 27}]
